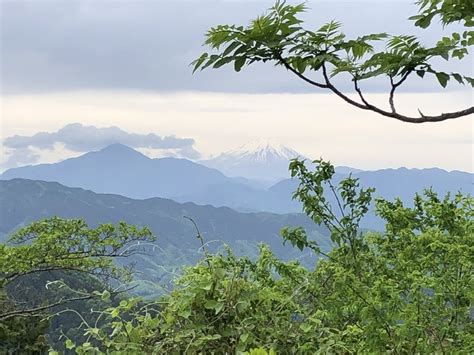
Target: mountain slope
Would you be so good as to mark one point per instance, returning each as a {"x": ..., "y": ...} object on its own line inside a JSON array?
[
  {"x": 23, "y": 201},
  {"x": 390, "y": 184},
  {"x": 122, "y": 170}
]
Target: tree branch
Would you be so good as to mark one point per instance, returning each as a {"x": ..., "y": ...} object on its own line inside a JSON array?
[
  {"x": 394, "y": 87},
  {"x": 369, "y": 107},
  {"x": 31, "y": 311},
  {"x": 359, "y": 91},
  {"x": 340, "y": 94},
  {"x": 298, "y": 74},
  {"x": 201, "y": 239}
]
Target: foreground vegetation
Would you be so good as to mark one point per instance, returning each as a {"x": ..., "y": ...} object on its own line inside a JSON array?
[{"x": 407, "y": 290}]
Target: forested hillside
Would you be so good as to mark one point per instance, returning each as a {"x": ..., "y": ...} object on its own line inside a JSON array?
[
  {"x": 160, "y": 238},
  {"x": 24, "y": 201}
]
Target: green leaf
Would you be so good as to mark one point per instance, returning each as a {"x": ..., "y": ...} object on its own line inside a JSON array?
[
  {"x": 239, "y": 63},
  {"x": 215, "y": 305},
  {"x": 458, "y": 78},
  {"x": 105, "y": 295},
  {"x": 230, "y": 48},
  {"x": 210, "y": 304},
  {"x": 69, "y": 344},
  {"x": 420, "y": 73},
  {"x": 469, "y": 80},
  {"x": 244, "y": 337},
  {"x": 221, "y": 62},
  {"x": 185, "y": 313},
  {"x": 115, "y": 313},
  {"x": 206, "y": 285},
  {"x": 198, "y": 62},
  {"x": 443, "y": 78}
]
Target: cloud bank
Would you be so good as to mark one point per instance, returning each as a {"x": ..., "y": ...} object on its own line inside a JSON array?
[
  {"x": 148, "y": 45},
  {"x": 76, "y": 137}
]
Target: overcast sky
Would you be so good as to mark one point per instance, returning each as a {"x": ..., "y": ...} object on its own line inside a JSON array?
[{"x": 106, "y": 63}]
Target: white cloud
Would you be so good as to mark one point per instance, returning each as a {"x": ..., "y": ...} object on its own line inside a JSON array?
[
  {"x": 75, "y": 137},
  {"x": 313, "y": 124},
  {"x": 80, "y": 138}
]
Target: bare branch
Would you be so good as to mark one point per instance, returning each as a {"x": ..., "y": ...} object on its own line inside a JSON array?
[
  {"x": 201, "y": 239},
  {"x": 394, "y": 87},
  {"x": 359, "y": 91},
  {"x": 37, "y": 310}
]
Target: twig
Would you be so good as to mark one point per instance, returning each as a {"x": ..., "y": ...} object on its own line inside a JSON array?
[{"x": 201, "y": 239}]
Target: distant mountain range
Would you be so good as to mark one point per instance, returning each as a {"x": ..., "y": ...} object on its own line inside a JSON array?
[
  {"x": 125, "y": 171},
  {"x": 264, "y": 160},
  {"x": 23, "y": 201},
  {"x": 121, "y": 170}
]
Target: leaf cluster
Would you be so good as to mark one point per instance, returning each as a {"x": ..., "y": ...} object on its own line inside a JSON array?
[{"x": 59, "y": 244}]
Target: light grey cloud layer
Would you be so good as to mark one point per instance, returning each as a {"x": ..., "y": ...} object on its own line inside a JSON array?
[
  {"x": 68, "y": 45},
  {"x": 19, "y": 157},
  {"x": 78, "y": 138}
]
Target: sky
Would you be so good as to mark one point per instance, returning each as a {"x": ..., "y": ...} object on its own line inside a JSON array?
[{"x": 79, "y": 74}]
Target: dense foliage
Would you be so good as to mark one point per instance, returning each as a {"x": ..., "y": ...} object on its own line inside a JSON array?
[
  {"x": 54, "y": 264},
  {"x": 279, "y": 37},
  {"x": 58, "y": 244},
  {"x": 407, "y": 290}
]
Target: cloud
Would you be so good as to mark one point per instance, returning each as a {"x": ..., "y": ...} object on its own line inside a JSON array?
[
  {"x": 19, "y": 157},
  {"x": 148, "y": 45},
  {"x": 79, "y": 138},
  {"x": 189, "y": 152},
  {"x": 76, "y": 137}
]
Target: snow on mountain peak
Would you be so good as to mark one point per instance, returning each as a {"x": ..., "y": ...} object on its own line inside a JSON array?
[
  {"x": 262, "y": 150},
  {"x": 264, "y": 159}
]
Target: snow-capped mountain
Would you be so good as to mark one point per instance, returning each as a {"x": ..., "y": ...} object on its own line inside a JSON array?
[{"x": 264, "y": 160}]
